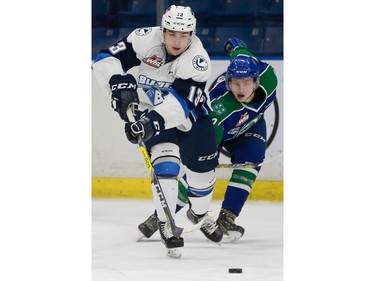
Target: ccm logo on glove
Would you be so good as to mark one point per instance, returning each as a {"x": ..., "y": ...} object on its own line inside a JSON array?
[
  {"x": 122, "y": 86},
  {"x": 124, "y": 94}
]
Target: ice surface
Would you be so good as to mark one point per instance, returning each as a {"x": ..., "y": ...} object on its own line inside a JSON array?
[{"x": 117, "y": 256}]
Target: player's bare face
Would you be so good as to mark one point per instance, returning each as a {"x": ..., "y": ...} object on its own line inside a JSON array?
[
  {"x": 176, "y": 42},
  {"x": 243, "y": 89}
]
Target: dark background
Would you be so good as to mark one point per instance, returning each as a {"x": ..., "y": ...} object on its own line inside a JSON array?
[{"x": 258, "y": 22}]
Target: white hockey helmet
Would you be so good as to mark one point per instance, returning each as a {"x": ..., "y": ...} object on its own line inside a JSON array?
[{"x": 179, "y": 18}]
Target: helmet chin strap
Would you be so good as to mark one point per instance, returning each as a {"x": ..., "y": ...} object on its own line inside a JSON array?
[
  {"x": 190, "y": 42},
  {"x": 251, "y": 95}
]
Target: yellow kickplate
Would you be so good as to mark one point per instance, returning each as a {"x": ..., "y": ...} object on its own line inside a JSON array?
[{"x": 141, "y": 188}]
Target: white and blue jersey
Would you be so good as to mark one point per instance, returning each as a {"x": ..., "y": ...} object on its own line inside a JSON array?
[{"x": 172, "y": 86}]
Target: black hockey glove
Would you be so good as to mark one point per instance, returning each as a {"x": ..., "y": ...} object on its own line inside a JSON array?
[
  {"x": 234, "y": 43},
  {"x": 124, "y": 94},
  {"x": 146, "y": 127}
]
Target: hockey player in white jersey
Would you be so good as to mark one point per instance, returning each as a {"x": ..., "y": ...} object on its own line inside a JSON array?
[{"x": 171, "y": 111}]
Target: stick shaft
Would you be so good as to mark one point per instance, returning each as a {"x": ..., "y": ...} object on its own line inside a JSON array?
[
  {"x": 177, "y": 231},
  {"x": 239, "y": 165}
]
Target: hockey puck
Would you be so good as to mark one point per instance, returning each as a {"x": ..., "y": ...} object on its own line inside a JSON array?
[{"x": 235, "y": 270}]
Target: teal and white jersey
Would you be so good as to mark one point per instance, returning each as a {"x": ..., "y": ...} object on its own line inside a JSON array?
[{"x": 232, "y": 118}]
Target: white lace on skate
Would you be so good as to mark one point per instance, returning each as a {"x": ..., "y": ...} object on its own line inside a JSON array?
[
  {"x": 209, "y": 225},
  {"x": 166, "y": 230}
]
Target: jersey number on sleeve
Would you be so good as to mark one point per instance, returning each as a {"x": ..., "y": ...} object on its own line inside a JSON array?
[
  {"x": 120, "y": 46},
  {"x": 195, "y": 95}
]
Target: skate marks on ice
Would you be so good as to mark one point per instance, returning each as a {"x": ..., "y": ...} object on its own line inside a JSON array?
[{"x": 116, "y": 255}]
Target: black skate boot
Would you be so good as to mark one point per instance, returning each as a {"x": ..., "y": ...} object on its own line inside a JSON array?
[
  {"x": 149, "y": 226},
  {"x": 227, "y": 225},
  {"x": 172, "y": 243},
  {"x": 209, "y": 227}
]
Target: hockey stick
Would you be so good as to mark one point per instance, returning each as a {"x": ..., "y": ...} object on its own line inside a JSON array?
[
  {"x": 240, "y": 165},
  {"x": 177, "y": 231},
  {"x": 248, "y": 164}
]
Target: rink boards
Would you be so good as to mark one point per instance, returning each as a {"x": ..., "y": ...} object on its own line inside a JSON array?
[{"x": 141, "y": 188}]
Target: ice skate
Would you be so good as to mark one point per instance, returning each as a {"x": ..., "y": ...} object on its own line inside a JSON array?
[
  {"x": 172, "y": 243},
  {"x": 148, "y": 227},
  {"x": 209, "y": 227},
  {"x": 228, "y": 227}
]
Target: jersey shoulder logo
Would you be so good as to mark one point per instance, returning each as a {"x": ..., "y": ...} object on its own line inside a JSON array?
[
  {"x": 200, "y": 63},
  {"x": 153, "y": 61},
  {"x": 219, "y": 108},
  {"x": 143, "y": 31}
]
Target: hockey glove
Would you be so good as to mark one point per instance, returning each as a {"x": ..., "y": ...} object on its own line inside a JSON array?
[
  {"x": 146, "y": 127},
  {"x": 124, "y": 94},
  {"x": 234, "y": 43}
]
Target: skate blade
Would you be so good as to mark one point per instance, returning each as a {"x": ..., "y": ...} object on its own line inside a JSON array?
[
  {"x": 233, "y": 236},
  {"x": 140, "y": 237},
  {"x": 174, "y": 253},
  {"x": 213, "y": 242}
]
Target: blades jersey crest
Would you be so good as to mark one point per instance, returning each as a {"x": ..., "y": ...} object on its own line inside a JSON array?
[{"x": 155, "y": 95}]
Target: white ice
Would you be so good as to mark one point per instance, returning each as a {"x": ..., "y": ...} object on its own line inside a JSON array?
[{"x": 117, "y": 256}]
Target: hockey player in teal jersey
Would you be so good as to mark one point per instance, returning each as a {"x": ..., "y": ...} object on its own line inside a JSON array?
[{"x": 239, "y": 100}]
